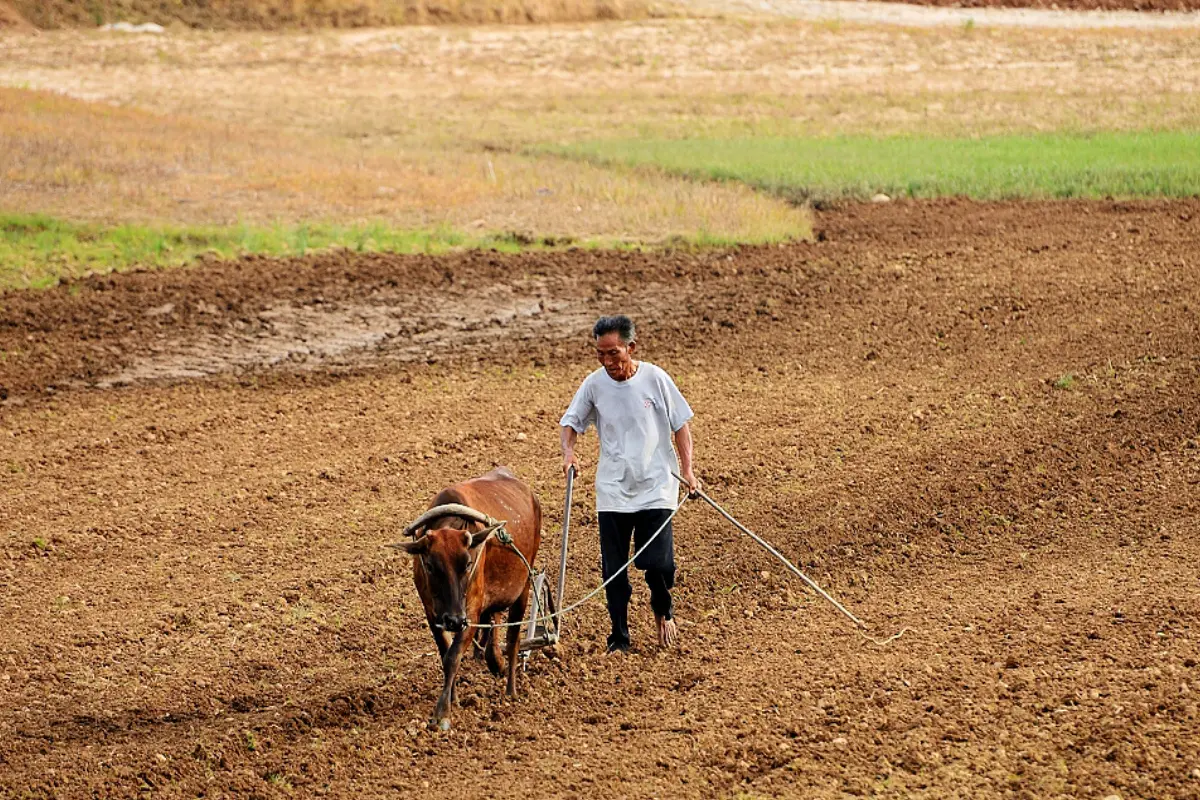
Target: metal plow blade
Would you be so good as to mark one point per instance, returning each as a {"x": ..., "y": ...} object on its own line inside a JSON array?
[{"x": 541, "y": 629}]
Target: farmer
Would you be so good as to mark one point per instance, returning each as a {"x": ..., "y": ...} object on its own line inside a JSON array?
[{"x": 636, "y": 408}]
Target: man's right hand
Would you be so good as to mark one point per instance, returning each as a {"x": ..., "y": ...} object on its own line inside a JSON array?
[{"x": 568, "y": 437}]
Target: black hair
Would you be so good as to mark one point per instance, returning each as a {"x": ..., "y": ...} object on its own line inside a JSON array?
[{"x": 620, "y": 324}]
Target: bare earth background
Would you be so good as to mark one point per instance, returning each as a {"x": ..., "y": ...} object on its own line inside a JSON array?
[{"x": 979, "y": 422}]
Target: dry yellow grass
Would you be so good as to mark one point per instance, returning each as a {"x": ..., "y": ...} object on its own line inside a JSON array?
[
  {"x": 10, "y": 19},
  {"x": 275, "y": 14},
  {"x": 424, "y": 126},
  {"x": 443, "y": 86},
  {"x": 96, "y": 161}
]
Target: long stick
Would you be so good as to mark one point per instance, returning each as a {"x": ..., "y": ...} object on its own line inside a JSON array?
[
  {"x": 562, "y": 559},
  {"x": 767, "y": 546}
]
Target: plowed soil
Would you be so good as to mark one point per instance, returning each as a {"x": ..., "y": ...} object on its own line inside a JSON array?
[{"x": 978, "y": 423}]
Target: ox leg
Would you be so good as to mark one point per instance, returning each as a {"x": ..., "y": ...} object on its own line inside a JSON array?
[
  {"x": 450, "y": 664},
  {"x": 515, "y": 613},
  {"x": 483, "y": 638},
  {"x": 440, "y": 638},
  {"x": 492, "y": 653}
]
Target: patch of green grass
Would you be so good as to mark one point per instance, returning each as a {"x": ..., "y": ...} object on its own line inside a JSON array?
[
  {"x": 38, "y": 251},
  {"x": 278, "y": 779},
  {"x": 1146, "y": 164},
  {"x": 1066, "y": 381},
  {"x": 303, "y": 610}
]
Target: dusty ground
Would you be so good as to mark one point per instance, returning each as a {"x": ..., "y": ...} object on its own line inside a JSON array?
[
  {"x": 976, "y": 422},
  {"x": 1170, "y": 6},
  {"x": 1071, "y": 14},
  {"x": 1075, "y": 5}
]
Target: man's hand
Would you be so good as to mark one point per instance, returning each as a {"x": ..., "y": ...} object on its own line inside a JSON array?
[
  {"x": 683, "y": 446},
  {"x": 693, "y": 483},
  {"x": 568, "y": 437}
]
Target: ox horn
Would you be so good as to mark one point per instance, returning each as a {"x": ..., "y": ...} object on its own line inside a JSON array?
[{"x": 450, "y": 510}]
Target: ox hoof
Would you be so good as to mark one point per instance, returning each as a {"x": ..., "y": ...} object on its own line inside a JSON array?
[{"x": 441, "y": 724}]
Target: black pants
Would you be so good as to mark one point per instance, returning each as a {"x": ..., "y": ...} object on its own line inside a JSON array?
[{"x": 658, "y": 562}]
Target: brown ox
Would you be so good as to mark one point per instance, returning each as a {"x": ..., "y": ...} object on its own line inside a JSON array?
[{"x": 461, "y": 583}]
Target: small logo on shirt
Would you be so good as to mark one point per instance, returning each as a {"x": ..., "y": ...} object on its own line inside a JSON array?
[{"x": 648, "y": 402}]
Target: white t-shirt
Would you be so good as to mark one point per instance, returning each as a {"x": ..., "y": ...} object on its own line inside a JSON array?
[{"x": 635, "y": 419}]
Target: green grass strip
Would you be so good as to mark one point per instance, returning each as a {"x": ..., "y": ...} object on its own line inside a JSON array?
[
  {"x": 37, "y": 251},
  {"x": 1148, "y": 164}
]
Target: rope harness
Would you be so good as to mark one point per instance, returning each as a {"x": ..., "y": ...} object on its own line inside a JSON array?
[
  {"x": 589, "y": 595},
  {"x": 505, "y": 538},
  {"x": 496, "y": 529}
]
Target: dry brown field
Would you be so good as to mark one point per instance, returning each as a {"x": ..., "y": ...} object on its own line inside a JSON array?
[{"x": 977, "y": 422}]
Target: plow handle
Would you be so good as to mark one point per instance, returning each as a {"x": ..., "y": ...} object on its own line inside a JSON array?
[{"x": 566, "y": 532}]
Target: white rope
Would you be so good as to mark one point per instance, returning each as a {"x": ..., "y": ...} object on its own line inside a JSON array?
[
  {"x": 593, "y": 592},
  {"x": 859, "y": 624}
]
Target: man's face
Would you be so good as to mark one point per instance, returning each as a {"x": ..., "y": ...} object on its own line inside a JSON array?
[{"x": 615, "y": 356}]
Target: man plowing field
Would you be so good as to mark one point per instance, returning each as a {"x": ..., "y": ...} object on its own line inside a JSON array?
[{"x": 636, "y": 409}]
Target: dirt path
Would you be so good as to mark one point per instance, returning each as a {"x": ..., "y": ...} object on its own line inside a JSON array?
[
  {"x": 977, "y": 422},
  {"x": 1067, "y": 15}
]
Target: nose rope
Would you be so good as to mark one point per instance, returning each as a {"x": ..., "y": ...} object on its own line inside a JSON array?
[{"x": 501, "y": 534}]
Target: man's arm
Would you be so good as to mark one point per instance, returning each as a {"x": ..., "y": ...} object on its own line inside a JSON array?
[
  {"x": 683, "y": 445},
  {"x": 568, "y": 437},
  {"x": 580, "y": 415}
]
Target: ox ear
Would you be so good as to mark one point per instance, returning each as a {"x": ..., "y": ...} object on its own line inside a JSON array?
[
  {"x": 419, "y": 547},
  {"x": 480, "y": 537}
]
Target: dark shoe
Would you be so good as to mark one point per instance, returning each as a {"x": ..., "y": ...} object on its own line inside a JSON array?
[{"x": 618, "y": 645}]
